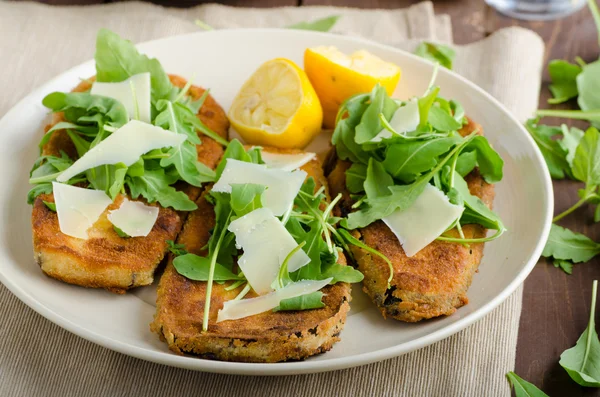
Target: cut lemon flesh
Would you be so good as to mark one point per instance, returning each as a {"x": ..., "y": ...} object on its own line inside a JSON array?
[
  {"x": 277, "y": 107},
  {"x": 336, "y": 76}
]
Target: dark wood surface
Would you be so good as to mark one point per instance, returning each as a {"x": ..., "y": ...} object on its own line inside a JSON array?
[{"x": 555, "y": 305}]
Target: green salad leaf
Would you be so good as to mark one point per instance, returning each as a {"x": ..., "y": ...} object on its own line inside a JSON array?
[
  {"x": 319, "y": 25},
  {"x": 390, "y": 174},
  {"x": 436, "y": 53},
  {"x": 302, "y": 302},
  {"x": 524, "y": 388},
  {"x": 89, "y": 119},
  {"x": 154, "y": 186},
  {"x": 564, "y": 80},
  {"x": 582, "y": 361},
  {"x": 118, "y": 59},
  {"x": 197, "y": 268},
  {"x": 566, "y": 266},
  {"x": 564, "y": 244}
]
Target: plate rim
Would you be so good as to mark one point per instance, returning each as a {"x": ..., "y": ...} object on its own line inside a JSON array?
[{"x": 301, "y": 367}]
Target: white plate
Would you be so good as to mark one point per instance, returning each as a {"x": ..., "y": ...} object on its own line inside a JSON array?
[{"x": 222, "y": 60}]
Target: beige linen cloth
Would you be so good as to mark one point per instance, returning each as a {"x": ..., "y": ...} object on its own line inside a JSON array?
[{"x": 38, "y": 358}]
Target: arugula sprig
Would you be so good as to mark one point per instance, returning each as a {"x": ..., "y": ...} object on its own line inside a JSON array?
[
  {"x": 309, "y": 221},
  {"x": 391, "y": 173},
  {"x": 582, "y": 361},
  {"x": 89, "y": 119}
]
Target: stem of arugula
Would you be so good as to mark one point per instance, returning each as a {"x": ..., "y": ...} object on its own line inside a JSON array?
[
  {"x": 283, "y": 269},
  {"x": 242, "y": 292},
  {"x": 472, "y": 240},
  {"x": 211, "y": 275},
  {"x": 570, "y": 114},
  {"x": 589, "y": 335},
  {"x": 235, "y": 285},
  {"x": 320, "y": 219},
  {"x": 573, "y": 208}
]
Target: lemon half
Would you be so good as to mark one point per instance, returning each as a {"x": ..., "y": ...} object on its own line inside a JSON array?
[
  {"x": 277, "y": 106},
  {"x": 336, "y": 76}
]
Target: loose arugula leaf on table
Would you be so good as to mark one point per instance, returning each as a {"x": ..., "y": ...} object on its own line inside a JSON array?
[
  {"x": 564, "y": 80},
  {"x": 566, "y": 266},
  {"x": 582, "y": 361},
  {"x": 554, "y": 154},
  {"x": 117, "y": 59},
  {"x": 319, "y": 25},
  {"x": 524, "y": 388},
  {"x": 436, "y": 53},
  {"x": 571, "y": 137},
  {"x": 586, "y": 168},
  {"x": 588, "y": 85},
  {"x": 564, "y": 244}
]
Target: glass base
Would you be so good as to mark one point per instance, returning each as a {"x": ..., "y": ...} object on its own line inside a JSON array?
[{"x": 537, "y": 10}]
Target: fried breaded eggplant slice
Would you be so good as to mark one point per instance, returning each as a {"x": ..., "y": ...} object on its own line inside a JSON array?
[
  {"x": 266, "y": 337},
  {"x": 432, "y": 283},
  {"x": 106, "y": 260}
]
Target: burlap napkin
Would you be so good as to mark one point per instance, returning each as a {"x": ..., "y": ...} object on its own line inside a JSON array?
[{"x": 38, "y": 358}]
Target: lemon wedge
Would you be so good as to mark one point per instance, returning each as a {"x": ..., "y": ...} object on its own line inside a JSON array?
[
  {"x": 277, "y": 106},
  {"x": 336, "y": 76}
]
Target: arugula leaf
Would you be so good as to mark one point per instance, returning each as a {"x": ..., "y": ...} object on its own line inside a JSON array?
[
  {"x": 425, "y": 104},
  {"x": 319, "y": 25},
  {"x": 586, "y": 164},
  {"x": 566, "y": 266},
  {"x": 246, "y": 197},
  {"x": 176, "y": 249},
  {"x": 355, "y": 177},
  {"x": 65, "y": 125},
  {"x": 42, "y": 188},
  {"x": 47, "y": 168},
  {"x": 302, "y": 302},
  {"x": 185, "y": 159},
  {"x": 443, "y": 120},
  {"x": 564, "y": 84},
  {"x": 436, "y": 53},
  {"x": 378, "y": 181},
  {"x": 582, "y": 361},
  {"x": 466, "y": 162},
  {"x": 117, "y": 59},
  {"x": 406, "y": 161},
  {"x": 524, "y": 388},
  {"x": 82, "y": 107},
  {"x": 565, "y": 244},
  {"x": 402, "y": 197},
  {"x": 116, "y": 187},
  {"x": 370, "y": 124},
  {"x": 197, "y": 268},
  {"x": 553, "y": 152},
  {"x": 489, "y": 161},
  {"x": 154, "y": 186},
  {"x": 570, "y": 141},
  {"x": 120, "y": 232},
  {"x": 588, "y": 85},
  {"x": 236, "y": 151},
  {"x": 51, "y": 206},
  {"x": 475, "y": 209}
]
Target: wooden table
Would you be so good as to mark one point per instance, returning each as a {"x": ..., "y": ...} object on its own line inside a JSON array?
[{"x": 555, "y": 305}]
